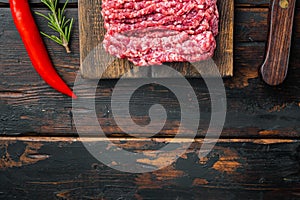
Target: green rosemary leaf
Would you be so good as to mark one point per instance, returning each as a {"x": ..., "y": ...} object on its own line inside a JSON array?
[
  {"x": 42, "y": 15},
  {"x": 46, "y": 3},
  {"x": 64, "y": 7},
  {"x": 70, "y": 28},
  {"x": 58, "y": 22},
  {"x": 52, "y": 27},
  {"x": 64, "y": 22},
  {"x": 52, "y": 37},
  {"x": 66, "y": 31},
  {"x": 56, "y": 39},
  {"x": 55, "y": 4},
  {"x": 59, "y": 16}
]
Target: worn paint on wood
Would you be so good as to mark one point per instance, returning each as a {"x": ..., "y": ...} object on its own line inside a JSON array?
[
  {"x": 60, "y": 167},
  {"x": 29, "y": 154},
  {"x": 71, "y": 172}
]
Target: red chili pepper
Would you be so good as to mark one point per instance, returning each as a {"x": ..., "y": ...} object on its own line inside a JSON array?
[{"x": 35, "y": 46}]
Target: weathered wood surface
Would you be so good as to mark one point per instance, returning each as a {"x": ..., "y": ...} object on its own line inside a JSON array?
[
  {"x": 238, "y": 2},
  {"x": 263, "y": 165},
  {"x": 92, "y": 31},
  {"x": 30, "y": 107},
  {"x": 61, "y": 168}
]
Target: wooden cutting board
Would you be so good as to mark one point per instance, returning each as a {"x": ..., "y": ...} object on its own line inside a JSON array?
[{"x": 92, "y": 33}]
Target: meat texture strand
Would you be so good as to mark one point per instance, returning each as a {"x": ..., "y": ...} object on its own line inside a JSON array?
[{"x": 151, "y": 32}]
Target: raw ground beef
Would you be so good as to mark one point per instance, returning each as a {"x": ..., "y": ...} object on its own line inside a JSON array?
[{"x": 150, "y": 32}]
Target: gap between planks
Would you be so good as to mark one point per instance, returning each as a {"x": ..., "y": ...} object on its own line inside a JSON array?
[{"x": 170, "y": 140}]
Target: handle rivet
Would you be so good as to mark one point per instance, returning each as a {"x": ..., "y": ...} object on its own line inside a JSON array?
[{"x": 284, "y": 4}]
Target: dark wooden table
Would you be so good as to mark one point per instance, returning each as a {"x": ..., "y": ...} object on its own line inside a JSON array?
[{"x": 257, "y": 157}]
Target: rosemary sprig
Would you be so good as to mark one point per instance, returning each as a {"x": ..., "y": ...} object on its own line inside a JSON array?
[{"x": 57, "y": 21}]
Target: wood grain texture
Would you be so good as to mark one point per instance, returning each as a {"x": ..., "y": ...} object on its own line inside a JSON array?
[
  {"x": 92, "y": 32},
  {"x": 224, "y": 53},
  {"x": 248, "y": 3},
  {"x": 275, "y": 66},
  {"x": 61, "y": 168},
  {"x": 30, "y": 107},
  {"x": 264, "y": 167}
]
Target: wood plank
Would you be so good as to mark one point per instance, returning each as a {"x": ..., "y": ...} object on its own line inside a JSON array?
[
  {"x": 224, "y": 52},
  {"x": 92, "y": 32},
  {"x": 239, "y": 3},
  {"x": 30, "y": 107},
  {"x": 251, "y": 25},
  {"x": 61, "y": 168}
]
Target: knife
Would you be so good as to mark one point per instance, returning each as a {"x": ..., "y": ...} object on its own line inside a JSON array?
[{"x": 275, "y": 66}]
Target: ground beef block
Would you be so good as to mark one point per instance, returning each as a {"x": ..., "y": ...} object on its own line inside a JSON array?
[{"x": 149, "y": 32}]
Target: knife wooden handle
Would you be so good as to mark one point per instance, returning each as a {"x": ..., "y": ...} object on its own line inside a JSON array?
[{"x": 274, "y": 68}]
